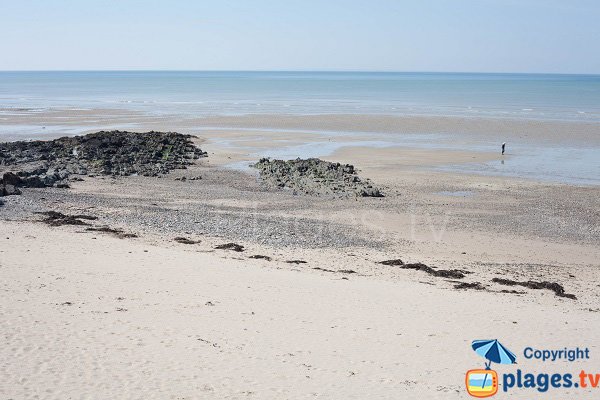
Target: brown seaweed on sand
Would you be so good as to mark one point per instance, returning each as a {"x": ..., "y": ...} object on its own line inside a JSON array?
[
  {"x": 557, "y": 288},
  {"x": 394, "y": 262},
  {"x": 440, "y": 273},
  {"x": 230, "y": 246},
  {"x": 55, "y": 218},
  {"x": 469, "y": 285},
  {"x": 260, "y": 257},
  {"x": 185, "y": 240},
  {"x": 339, "y": 271},
  {"x": 116, "y": 232}
]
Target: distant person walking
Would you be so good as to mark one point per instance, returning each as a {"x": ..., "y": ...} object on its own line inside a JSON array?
[{"x": 503, "y": 147}]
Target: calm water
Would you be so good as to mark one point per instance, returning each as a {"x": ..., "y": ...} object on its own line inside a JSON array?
[
  {"x": 523, "y": 96},
  {"x": 564, "y": 97}
]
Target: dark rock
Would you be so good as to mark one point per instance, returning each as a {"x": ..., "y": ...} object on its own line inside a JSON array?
[
  {"x": 34, "y": 181},
  {"x": 315, "y": 177},
  {"x": 48, "y": 179},
  {"x": 9, "y": 184},
  {"x": 296, "y": 262},
  {"x": 10, "y": 178},
  {"x": 10, "y": 190},
  {"x": 116, "y": 153}
]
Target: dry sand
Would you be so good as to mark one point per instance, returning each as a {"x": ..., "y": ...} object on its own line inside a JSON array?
[{"x": 97, "y": 317}]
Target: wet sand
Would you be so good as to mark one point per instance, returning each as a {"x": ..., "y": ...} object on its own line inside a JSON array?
[
  {"x": 552, "y": 151},
  {"x": 539, "y": 130}
]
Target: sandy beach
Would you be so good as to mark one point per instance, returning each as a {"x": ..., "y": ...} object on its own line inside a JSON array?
[
  {"x": 87, "y": 314},
  {"x": 294, "y": 200},
  {"x": 90, "y": 316}
]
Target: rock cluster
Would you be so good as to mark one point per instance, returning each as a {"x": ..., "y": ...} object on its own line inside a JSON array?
[
  {"x": 9, "y": 184},
  {"x": 315, "y": 177},
  {"x": 50, "y": 163}
]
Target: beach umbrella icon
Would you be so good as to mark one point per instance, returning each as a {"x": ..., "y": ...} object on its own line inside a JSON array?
[{"x": 493, "y": 351}]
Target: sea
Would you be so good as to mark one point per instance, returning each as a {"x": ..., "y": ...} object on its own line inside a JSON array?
[
  {"x": 545, "y": 97},
  {"x": 537, "y": 96}
]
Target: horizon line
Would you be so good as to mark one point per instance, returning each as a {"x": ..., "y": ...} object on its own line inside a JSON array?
[{"x": 304, "y": 71}]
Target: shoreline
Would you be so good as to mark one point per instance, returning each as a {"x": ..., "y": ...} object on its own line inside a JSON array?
[
  {"x": 554, "y": 152},
  {"x": 356, "y": 122},
  {"x": 220, "y": 275}
]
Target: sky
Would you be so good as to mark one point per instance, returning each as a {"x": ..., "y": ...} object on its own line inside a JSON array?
[{"x": 546, "y": 36}]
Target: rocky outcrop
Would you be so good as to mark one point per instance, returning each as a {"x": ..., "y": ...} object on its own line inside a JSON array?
[
  {"x": 50, "y": 163},
  {"x": 9, "y": 184},
  {"x": 315, "y": 177}
]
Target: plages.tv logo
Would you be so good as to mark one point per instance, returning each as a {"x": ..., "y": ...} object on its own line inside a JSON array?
[{"x": 484, "y": 382}]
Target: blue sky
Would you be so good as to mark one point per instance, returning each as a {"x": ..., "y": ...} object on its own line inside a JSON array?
[{"x": 377, "y": 35}]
